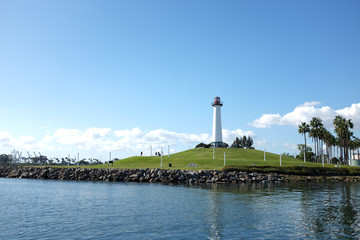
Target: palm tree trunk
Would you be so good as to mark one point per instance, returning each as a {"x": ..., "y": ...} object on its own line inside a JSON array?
[
  {"x": 305, "y": 148},
  {"x": 341, "y": 154},
  {"x": 316, "y": 151},
  {"x": 322, "y": 149},
  {"x": 318, "y": 147}
]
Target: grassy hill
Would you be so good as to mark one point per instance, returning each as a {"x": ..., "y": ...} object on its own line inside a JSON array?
[{"x": 204, "y": 160}]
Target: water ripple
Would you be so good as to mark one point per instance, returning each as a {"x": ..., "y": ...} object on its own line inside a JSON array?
[{"x": 40, "y": 209}]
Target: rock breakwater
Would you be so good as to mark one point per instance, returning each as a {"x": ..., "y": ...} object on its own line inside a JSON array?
[
  {"x": 138, "y": 175},
  {"x": 160, "y": 175}
]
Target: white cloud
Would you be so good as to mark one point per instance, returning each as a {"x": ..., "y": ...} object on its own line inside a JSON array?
[
  {"x": 305, "y": 112},
  {"x": 260, "y": 143},
  {"x": 158, "y": 136},
  {"x": 47, "y": 138},
  {"x": 266, "y": 120},
  {"x": 23, "y": 142},
  {"x": 352, "y": 112},
  {"x": 104, "y": 139},
  {"x": 229, "y": 136},
  {"x": 5, "y": 139},
  {"x": 67, "y": 136},
  {"x": 135, "y": 132},
  {"x": 310, "y": 104},
  {"x": 291, "y": 146},
  {"x": 90, "y": 139},
  {"x": 96, "y": 133}
]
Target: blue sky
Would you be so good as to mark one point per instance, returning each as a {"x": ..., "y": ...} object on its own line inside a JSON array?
[{"x": 99, "y": 76}]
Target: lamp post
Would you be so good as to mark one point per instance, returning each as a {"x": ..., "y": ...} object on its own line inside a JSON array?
[
  {"x": 264, "y": 155},
  {"x": 161, "y": 154}
]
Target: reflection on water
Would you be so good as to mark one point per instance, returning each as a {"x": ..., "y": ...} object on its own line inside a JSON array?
[
  {"x": 333, "y": 210},
  {"x": 40, "y": 209},
  {"x": 307, "y": 210},
  {"x": 212, "y": 216}
]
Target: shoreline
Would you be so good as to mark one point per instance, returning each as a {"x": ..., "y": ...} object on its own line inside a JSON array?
[{"x": 161, "y": 175}]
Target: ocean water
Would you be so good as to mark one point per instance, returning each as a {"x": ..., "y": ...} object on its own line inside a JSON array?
[{"x": 49, "y": 209}]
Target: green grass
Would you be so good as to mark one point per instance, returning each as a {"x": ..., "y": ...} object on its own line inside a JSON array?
[
  {"x": 204, "y": 160},
  {"x": 328, "y": 170}
]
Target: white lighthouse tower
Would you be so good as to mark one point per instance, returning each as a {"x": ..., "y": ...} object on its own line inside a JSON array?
[{"x": 217, "y": 131}]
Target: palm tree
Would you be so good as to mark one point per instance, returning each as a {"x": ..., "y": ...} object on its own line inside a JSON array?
[
  {"x": 329, "y": 140},
  {"x": 339, "y": 152},
  {"x": 356, "y": 143},
  {"x": 321, "y": 135},
  {"x": 342, "y": 130},
  {"x": 348, "y": 136},
  {"x": 303, "y": 129},
  {"x": 333, "y": 144},
  {"x": 339, "y": 125},
  {"x": 316, "y": 133}
]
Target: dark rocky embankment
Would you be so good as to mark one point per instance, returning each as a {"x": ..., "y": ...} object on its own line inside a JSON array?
[
  {"x": 137, "y": 175},
  {"x": 157, "y": 175}
]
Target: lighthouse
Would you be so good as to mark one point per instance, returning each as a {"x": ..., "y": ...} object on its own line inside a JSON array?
[{"x": 217, "y": 131}]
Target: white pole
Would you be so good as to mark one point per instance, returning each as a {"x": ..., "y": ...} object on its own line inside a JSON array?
[
  {"x": 264, "y": 155},
  {"x": 168, "y": 150},
  {"x": 280, "y": 160},
  {"x": 150, "y": 151},
  {"x": 224, "y": 159},
  {"x": 350, "y": 159},
  {"x": 161, "y": 156},
  {"x": 78, "y": 160},
  {"x": 214, "y": 152}
]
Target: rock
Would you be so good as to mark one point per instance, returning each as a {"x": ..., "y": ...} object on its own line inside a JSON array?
[
  {"x": 53, "y": 176},
  {"x": 134, "y": 176},
  {"x": 24, "y": 175},
  {"x": 181, "y": 178}
]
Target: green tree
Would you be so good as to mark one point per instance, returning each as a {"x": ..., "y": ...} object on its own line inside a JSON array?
[
  {"x": 5, "y": 159},
  {"x": 84, "y": 162},
  {"x": 203, "y": 145},
  {"x": 355, "y": 144},
  {"x": 316, "y": 133},
  {"x": 244, "y": 142},
  {"x": 236, "y": 143},
  {"x": 249, "y": 143},
  {"x": 303, "y": 129},
  {"x": 342, "y": 130},
  {"x": 304, "y": 150},
  {"x": 285, "y": 154},
  {"x": 330, "y": 142}
]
